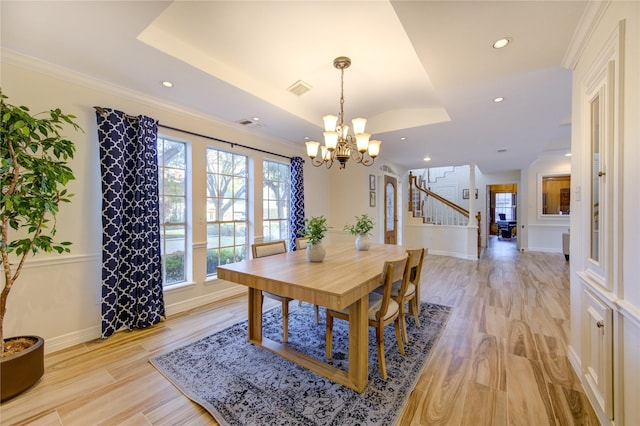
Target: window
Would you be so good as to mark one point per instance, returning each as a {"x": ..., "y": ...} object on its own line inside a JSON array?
[
  {"x": 172, "y": 191},
  {"x": 227, "y": 205},
  {"x": 276, "y": 189},
  {"x": 505, "y": 204}
]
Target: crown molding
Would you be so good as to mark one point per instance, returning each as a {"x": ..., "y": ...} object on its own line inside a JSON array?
[{"x": 587, "y": 25}]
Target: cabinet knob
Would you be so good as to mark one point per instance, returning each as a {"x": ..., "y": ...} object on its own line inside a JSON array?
[
  {"x": 600, "y": 324},
  {"x": 601, "y": 174}
]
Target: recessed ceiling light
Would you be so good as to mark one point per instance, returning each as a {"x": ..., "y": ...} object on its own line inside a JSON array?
[
  {"x": 499, "y": 44},
  {"x": 256, "y": 118},
  {"x": 306, "y": 138},
  {"x": 427, "y": 158},
  {"x": 403, "y": 138},
  {"x": 498, "y": 99},
  {"x": 167, "y": 84},
  {"x": 568, "y": 154}
]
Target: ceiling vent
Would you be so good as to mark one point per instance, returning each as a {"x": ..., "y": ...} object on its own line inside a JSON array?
[
  {"x": 299, "y": 88},
  {"x": 249, "y": 123}
]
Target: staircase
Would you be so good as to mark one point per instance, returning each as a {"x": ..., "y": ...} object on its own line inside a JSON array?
[{"x": 429, "y": 208}]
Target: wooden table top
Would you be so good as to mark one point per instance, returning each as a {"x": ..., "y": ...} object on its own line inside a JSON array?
[{"x": 344, "y": 276}]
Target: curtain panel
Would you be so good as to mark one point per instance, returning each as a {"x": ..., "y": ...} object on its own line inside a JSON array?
[
  {"x": 296, "y": 218},
  {"x": 132, "y": 294}
]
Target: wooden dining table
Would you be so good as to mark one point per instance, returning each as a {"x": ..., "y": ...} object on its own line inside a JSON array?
[{"x": 344, "y": 278}]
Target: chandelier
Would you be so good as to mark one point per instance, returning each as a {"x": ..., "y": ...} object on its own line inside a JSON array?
[{"x": 339, "y": 144}]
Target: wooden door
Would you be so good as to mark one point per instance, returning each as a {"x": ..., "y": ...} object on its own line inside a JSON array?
[{"x": 390, "y": 210}]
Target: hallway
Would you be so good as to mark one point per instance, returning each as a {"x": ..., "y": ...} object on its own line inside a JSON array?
[{"x": 502, "y": 359}]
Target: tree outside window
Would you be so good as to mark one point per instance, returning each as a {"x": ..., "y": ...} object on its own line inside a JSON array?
[
  {"x": 227, "y": 204},
  {"x": 276, "y": 190}
]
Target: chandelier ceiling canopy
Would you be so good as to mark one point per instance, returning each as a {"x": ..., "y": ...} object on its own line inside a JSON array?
[{"x": 339, "y": 144}]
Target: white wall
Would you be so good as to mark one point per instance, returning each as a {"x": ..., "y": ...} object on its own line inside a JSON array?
[
  {"x": 541, "y": 233},
  {"x": 57, "y": 297},
  {"x": 623, "y": 298}
]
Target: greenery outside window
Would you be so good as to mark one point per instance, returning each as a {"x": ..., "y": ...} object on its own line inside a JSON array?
[
  {"x": 172, "y": 191},
  {"x": 227, "y": 205},
  {"x": 276, "y": 190}
]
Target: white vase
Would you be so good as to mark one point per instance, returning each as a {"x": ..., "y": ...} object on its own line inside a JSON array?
[
  {"x": 363, "y": 242},
  {"x": 315, "y": 252}
]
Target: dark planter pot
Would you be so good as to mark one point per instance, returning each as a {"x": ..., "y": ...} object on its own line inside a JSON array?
[{"x": 22, "y": 370}]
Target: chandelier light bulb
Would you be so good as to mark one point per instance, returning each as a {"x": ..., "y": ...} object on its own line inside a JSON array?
[
  {"x": 358, "y": 125},
  {"x": 362, "y": 142},
  {"x": 330, "y": 140},
  {"x": 374, "y": 148},
  {"x": 312, "y": 149},
  {"x": 330, "y": 122}
]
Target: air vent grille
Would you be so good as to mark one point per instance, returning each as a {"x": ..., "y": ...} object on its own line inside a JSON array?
[{"x": 299, "y": 88}]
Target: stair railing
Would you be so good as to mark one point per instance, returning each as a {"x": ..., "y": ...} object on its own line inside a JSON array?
[
  {"x": 434, "y": 208},
  {"x": 437, "y": 210}
]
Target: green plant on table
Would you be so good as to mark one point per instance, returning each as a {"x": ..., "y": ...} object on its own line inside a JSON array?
[
  {"x": 315, "y": 228},
  {"x": 363, "y": 225}
]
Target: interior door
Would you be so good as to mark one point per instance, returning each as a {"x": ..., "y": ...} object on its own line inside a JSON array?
[{"x": 390, "y": 210}]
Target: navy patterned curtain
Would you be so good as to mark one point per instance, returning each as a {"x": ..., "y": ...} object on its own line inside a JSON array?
[
  {"x": 132, "y": 295},
  {"x": 296, "y": 220}
]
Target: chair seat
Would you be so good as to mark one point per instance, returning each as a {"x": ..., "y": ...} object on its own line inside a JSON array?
[
  {"x": 395, "y": 288},
  {"x": 375, "y": 300}
]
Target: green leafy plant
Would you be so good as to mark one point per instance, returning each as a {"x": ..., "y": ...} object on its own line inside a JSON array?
[
  {"x": 33, "y": 172},
  {"x": 363, "y": 225},
  {"x": 315, "y": 228}
]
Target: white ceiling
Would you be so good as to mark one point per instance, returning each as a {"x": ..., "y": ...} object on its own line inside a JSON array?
[{"x": 421, "y": 70}]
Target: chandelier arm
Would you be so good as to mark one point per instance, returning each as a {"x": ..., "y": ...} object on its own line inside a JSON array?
[{"x": 317, "y": 163}]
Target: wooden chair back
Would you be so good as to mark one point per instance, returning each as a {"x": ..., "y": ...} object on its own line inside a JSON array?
[
  {"x": 392, "y": 271},
  {"x": 268, "y": 248},
  {"x": 416, "y": 258},
  {"x": 302, "y": 243}
]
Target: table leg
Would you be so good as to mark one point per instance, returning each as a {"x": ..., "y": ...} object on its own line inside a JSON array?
[
  {"x": 255, "y": 315},
  {"x": 359, "y": 344}
]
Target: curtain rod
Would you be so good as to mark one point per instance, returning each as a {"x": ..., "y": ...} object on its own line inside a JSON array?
[
  {"x": 103, "y": 112},
  {"x": 233, "y": 144}
]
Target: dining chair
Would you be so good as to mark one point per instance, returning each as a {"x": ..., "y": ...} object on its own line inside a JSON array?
[
  {"x": 301, "y": 244},
  {"x": 411, "y": 295},
  {"x": 382, "y": 311},
  {"x": 414, "y": 278},
  {"x": 271, "y": 248}
]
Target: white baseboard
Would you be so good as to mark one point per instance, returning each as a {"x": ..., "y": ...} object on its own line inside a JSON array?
[
  {"x": 453, "y": 254},
  {"x": 54, "y": 344},
  {"x": 65, "y": 341},
  {"x": 196, "y": 302}
]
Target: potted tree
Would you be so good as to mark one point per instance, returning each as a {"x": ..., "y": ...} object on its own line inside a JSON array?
[
  {"x": 314, "y": 230},
  {"x": 362, "y": 228},
  {"x": 34, "y": 172}
]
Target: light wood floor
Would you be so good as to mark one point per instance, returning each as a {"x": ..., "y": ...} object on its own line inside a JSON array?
[{"x": 502, "y": 359}]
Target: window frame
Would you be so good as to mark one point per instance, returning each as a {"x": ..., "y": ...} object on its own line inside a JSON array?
[{"x": 164, "y": 224}]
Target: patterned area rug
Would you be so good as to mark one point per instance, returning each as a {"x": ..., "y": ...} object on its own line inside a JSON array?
[{"x": 242, "y": 384}]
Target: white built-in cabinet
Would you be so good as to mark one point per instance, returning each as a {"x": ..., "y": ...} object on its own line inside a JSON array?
[{"x": 599, "y": 266}]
